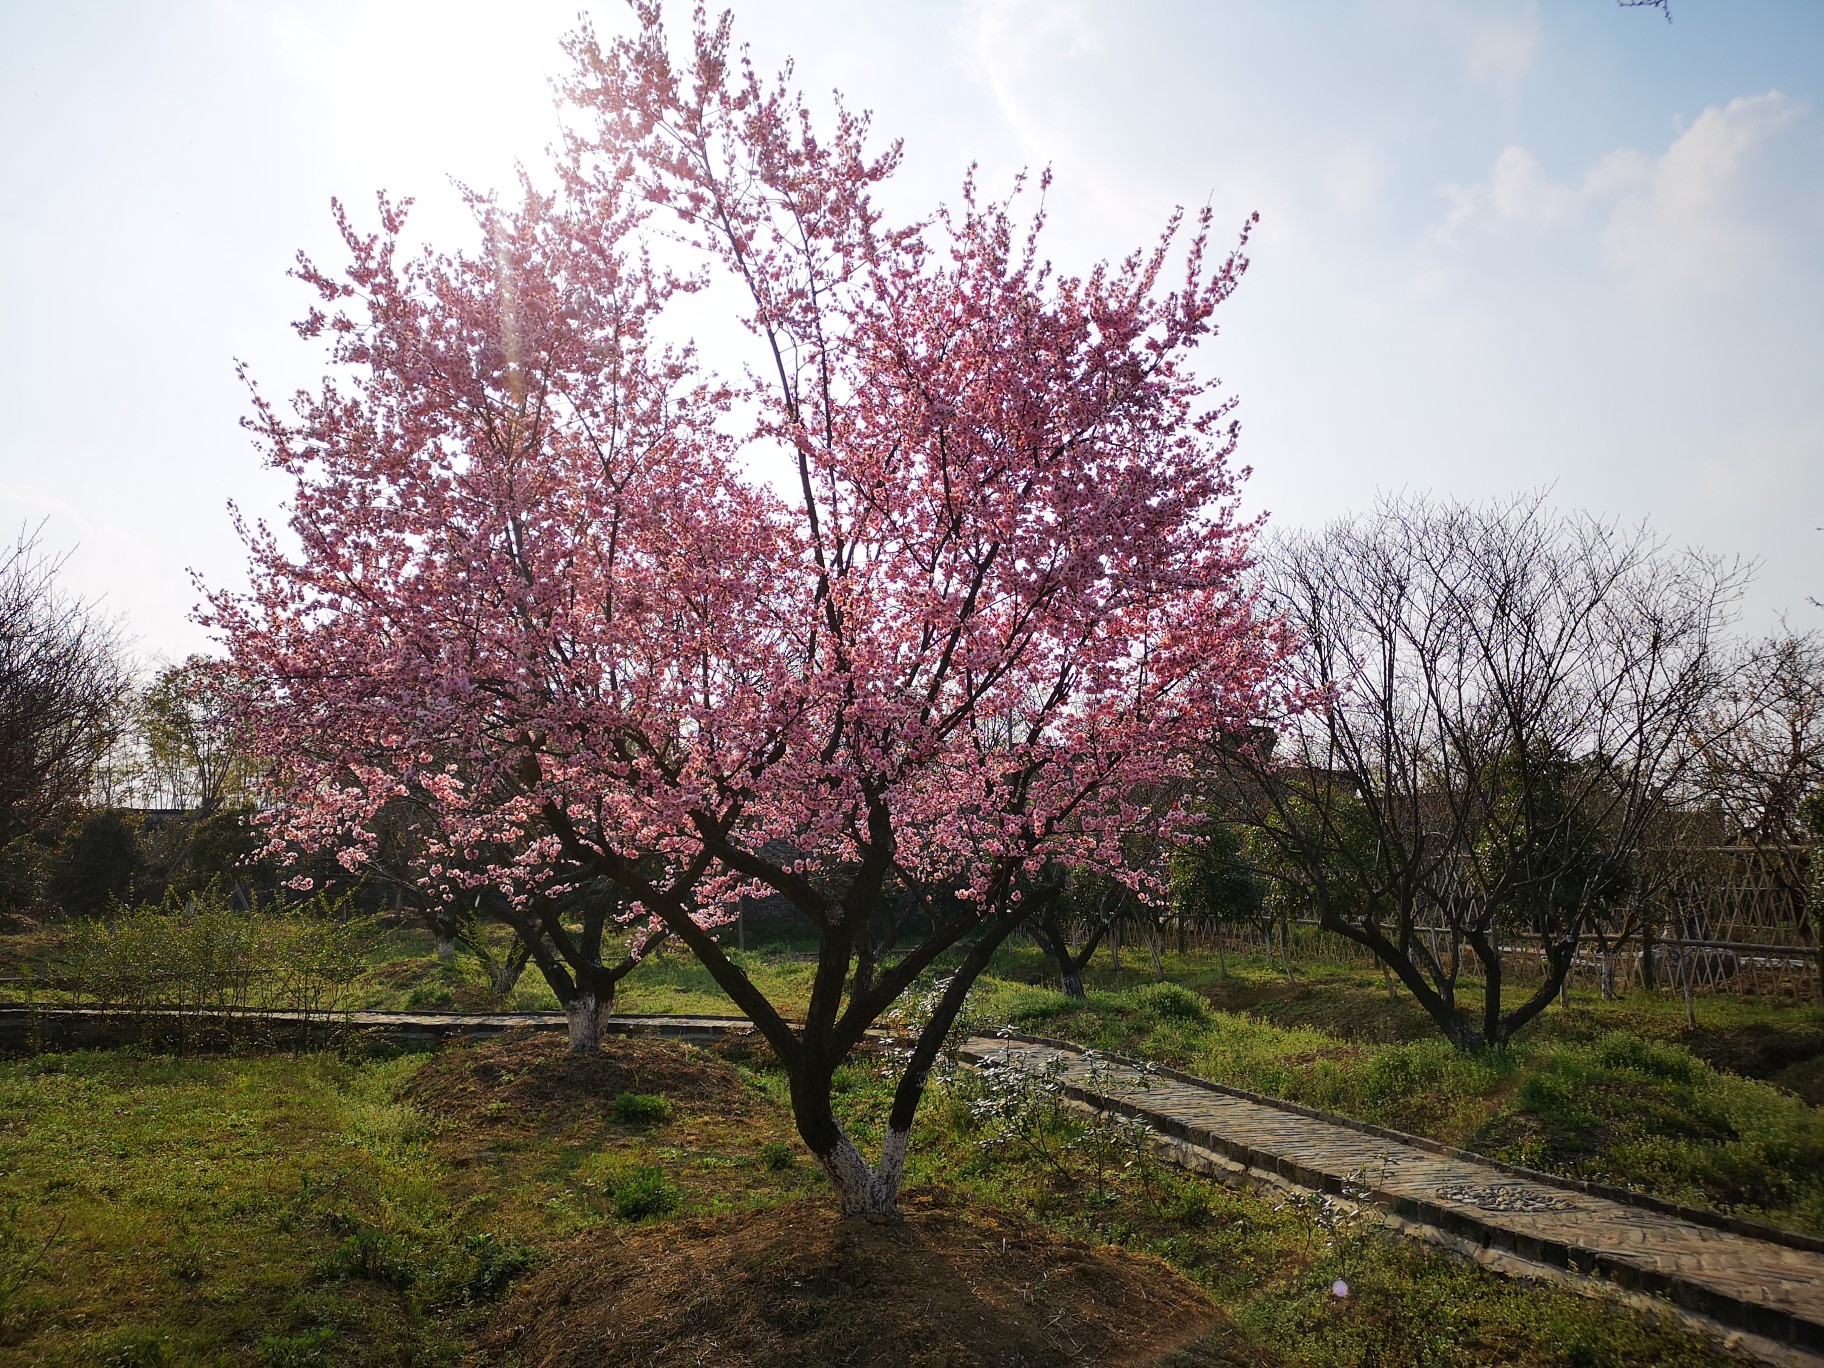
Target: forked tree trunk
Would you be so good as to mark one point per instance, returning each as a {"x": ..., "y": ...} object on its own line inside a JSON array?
[
  {"x": 1152, "y": 944},
  {"x": 446, "y": 949},
  {"x": 865, "y": 1191},
  {"x": 1070, "y": 982},
  {"x": 1606, "y": 975}
]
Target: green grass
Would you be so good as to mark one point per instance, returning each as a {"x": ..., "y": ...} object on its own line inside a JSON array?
[
  {"x": 295, "y": 1210},
  {"x": 1617, "y": 1092},
  {"x": 1608, "y": 1092},
  {"x": 404, "y": 973}
]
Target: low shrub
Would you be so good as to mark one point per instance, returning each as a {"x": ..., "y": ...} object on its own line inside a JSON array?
[
  {"x": 642, "y": 1109},
  {"x": 1172, "y": 1002},
  {"x": 202, "y": 955},
  {"x": 642, "y": 1191},
  {"x": 777, "y": 1155}
]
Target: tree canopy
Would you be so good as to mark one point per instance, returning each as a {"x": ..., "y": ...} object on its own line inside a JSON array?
[{"x": 1002, "y": 593}]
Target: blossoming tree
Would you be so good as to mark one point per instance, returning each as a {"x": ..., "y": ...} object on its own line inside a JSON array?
[{"x": 1000, "y": 599}]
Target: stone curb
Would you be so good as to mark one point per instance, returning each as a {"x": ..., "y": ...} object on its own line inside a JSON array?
[{"x": 25, "y": 1029}]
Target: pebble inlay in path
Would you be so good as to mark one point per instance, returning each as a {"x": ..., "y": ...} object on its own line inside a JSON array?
[{"x": 1753, "y": 1284}]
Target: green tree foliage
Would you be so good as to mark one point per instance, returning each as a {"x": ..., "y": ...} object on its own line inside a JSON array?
[
  {"x": 100, "y": 862},
  {"x": 1214, "y": 880},
  {"x": 186, "y": 723},
  {"x": 1541, "y": 854}
]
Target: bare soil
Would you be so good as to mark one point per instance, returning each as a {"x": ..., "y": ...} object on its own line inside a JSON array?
[
  {"x": 528, "y": 1076},
  {"x": 796, "y": 1285}
]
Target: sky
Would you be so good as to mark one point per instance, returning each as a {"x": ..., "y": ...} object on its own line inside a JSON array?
[{"x": 1504, "y": 245}]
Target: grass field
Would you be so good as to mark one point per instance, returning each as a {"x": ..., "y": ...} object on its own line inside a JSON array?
[
  {"x": 314, "y": 1209},
  {"x": 1621, "y": 1092},
  {"x": 1618, "y": 1092}
]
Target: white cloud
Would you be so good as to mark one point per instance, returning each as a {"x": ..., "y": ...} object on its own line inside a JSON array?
[
  {"x": 1003, "y": 43},
  {"x": 1495, "y": 42},
  {"x": 1687, "y": 223},
  {"x": 1500, "y": 48},
  {"x": 1519, "y": 193},
  {"x": 1675, "y": 220}
]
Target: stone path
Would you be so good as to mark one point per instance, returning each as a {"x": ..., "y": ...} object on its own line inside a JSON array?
[{"x": 1769, "y": 1284}]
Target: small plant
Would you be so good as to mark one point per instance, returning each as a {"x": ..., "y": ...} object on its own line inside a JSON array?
[
  {"x": 907, "y": 1019},
  {"x": 638, "y": 1193},
  {"x": 474, "y": 1271},
  {"x": 641, "y": 1109},
  {"x": 1340, "y": 1223},
  {"x": 372, "y": 1255},
  {"x": 777, "y": 1155},
  {"x": 1022, "y": 1102},
  {"x": 1173, "y": 1002}
]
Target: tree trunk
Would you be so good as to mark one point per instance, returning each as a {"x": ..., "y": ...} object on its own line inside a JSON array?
[
  {"x": 1152, "y": 943},
  {"x": 864, "y": 1191},
  {"x": 1051, "y": 939},
  {"x": 446, "y": 949},
  {"x": 1222, "y": 959},
  {"x": 860, "y": 1190},
  {"x": 1684, "y": 983},
  {"x": 586, "y": 1015},
  {"x": 1114, "y": 949},
  {"x": 1606, "y": 961}
]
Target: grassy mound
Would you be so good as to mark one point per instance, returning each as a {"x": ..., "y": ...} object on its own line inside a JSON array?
[
  {"x": 796, "y": 1285},
  {"x": 534, "y": 1077}
]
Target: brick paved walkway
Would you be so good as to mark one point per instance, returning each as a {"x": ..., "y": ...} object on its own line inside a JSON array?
[{"x": 1763, "y": 1286}]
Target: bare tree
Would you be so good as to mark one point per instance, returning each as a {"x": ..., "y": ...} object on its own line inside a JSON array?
[
  {"x": 63, "y": 692},
  {"x": 1763, "y": 756},
  {"x": 1764, "y": 748},
  {"x": 1507, "y": 694}
]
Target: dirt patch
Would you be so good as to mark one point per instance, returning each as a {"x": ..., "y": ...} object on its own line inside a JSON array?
[
  {"x": 534, "y": 1076},
  {"x": 795, "y": 1285},
  {"x": 1364, "y": 1016},
  {"x": 1757, "y": 1049},
  {"x": 1805, "y": 1079}
]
